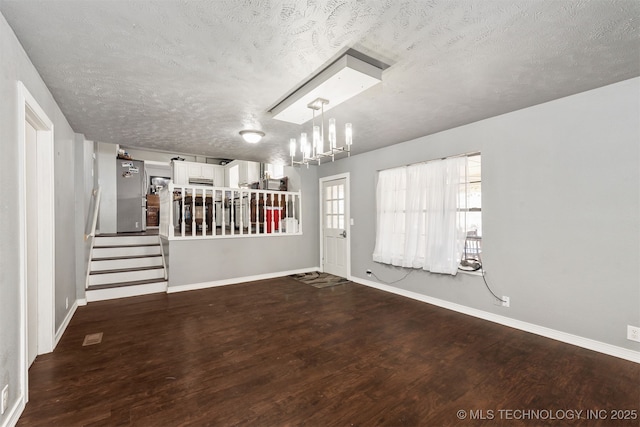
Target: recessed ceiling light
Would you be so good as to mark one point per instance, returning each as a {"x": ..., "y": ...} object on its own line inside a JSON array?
[{"x": 251, "y": 136}]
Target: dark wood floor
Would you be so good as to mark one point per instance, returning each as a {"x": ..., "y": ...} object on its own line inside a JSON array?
[{"x": 281, "y": 353}]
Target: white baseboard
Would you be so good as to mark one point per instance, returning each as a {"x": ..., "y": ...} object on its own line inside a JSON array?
[
  {"x": 235, "y": 280},
  {"x": 64, "y": 325},
  {"x": 82, "y": 302},
  {"x": 14, "y": 413},
  {"x": 125, "y": 291},
  {"x": 611, "y": 350}
]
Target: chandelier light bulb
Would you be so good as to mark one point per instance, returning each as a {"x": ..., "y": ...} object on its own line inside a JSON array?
[
  {"x": 292, "y": 147},
  {"x": 332, "y": 133},
  {"x": 318, "y": 145},
  {"x": 304, "y": 145},
  {"x": 348, "y": 134},
  {"x": 316, "y": 140}
]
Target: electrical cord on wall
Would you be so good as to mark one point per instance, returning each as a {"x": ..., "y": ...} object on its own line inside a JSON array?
[
  {"x": 476, "y": 267},
  {"x": 487, "y": 285},
  {"x": 371, "y": 273},
  {"x": 472, "y": 264}
]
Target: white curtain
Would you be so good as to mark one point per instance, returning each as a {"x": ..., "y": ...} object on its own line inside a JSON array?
[
  {"x": 390, "y": 201},
  {"x": 417, "y": 213}
]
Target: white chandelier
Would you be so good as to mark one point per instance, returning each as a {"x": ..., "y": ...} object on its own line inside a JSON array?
[{"x": 314, "y": 150}]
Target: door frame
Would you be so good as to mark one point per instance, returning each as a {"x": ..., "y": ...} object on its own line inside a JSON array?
[
  {"x": 347, "y": 215},
  {"x": 29, "y": 109}
]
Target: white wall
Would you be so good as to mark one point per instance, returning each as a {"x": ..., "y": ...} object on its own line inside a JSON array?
[
  {"x": 15, "y": 66},
  {"x": 106, "y": 160},
  {"x": 561, "y": 213}
]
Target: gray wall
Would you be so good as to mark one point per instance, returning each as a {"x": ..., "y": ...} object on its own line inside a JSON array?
[
  {"x": 561, "y": 212},
  {"x": 200, "y": 261},
  {"x": 15, "y": 66}
]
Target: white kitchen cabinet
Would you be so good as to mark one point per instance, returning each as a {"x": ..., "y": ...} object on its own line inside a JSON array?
[
  {"x": 248, "y": 172},
  {"x": 183, "y": 171},
  {"x": 194, "y": 170},
  {"x": 208, "y": 172},
  {"x": 179, "y": 173}
]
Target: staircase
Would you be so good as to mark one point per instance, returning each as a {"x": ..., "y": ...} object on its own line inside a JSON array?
[{"x": 124, "y": 265}]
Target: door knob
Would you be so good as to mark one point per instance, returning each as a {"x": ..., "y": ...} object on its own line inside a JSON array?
[{"x": 344, "y": 233}]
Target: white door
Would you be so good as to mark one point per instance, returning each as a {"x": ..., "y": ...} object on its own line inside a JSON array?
[
  {"x": 334, "y": 227},
  {"x": 31, "y": 170}
]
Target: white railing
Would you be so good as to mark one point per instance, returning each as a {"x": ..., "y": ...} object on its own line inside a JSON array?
[
  {"x": 94, "y": 207},
  {"x": 203, "y": 212},
  {"x": 90, "y": 230}
]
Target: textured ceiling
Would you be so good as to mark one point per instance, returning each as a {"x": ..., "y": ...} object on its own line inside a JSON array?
[{"x": 187, "y": 76}]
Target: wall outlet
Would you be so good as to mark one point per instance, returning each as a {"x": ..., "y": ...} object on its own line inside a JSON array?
[
  {"x": 369, "y": 273},
  {"x": 66, "y": 303},
  {"x": 4, "y": 401},
  {"x": 506, "y": 301},
  {"x": 633, "y": 333}
]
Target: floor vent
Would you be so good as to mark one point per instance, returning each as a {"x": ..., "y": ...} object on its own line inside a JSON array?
[{"x": 92, "y": 339}]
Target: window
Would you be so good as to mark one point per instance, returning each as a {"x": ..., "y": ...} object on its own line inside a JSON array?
[
  {"x": 470, "y": 211},
  {"x": 426, "y": 211},
  {"x": 471, "y": 197},
  {"x": 334, "y": 209}
]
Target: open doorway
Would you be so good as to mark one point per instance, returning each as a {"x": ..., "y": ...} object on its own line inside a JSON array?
[{"x": 37, "y": 230}]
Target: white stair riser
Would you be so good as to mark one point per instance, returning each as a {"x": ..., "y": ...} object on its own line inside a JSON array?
[
  {"x": 125, "y": 240},
  {"x": 125, "y": 251},
  {"x": 113, "y": 264},
  {"x": 126, "y": 291},
  {"x": 126, "y": 276}
]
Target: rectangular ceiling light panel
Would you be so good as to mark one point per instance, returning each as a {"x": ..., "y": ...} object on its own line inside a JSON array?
[{"x": 342, "y": 80}]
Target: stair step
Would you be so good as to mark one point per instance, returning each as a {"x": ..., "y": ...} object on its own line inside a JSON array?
[
  {"x": 126, "y": 275},
  {"x": 115, "y": 258},
  {"x": 125, "y": 246},
  {"x": 128, "y": 239},
  {"x": 130, "y": 233},
  {"x": 125, "y": 289},
  {"x": 116, "y": 263},
  {"x": 127, "y": 270},
  {"x": 123, "y": 251},
  {"x": 123, "y": 284}
]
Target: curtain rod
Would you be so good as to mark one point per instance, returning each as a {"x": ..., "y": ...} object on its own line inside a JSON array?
[{"x": 469, "y": 154}]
